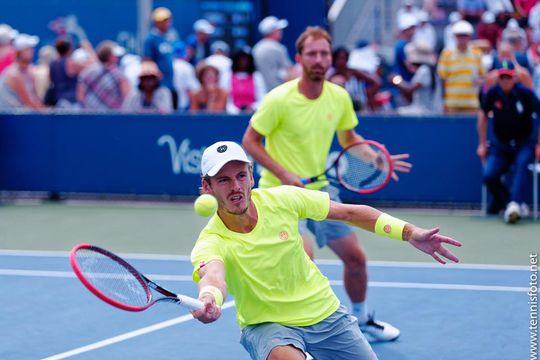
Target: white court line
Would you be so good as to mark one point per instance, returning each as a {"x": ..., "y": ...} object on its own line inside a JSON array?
[
  {"x": 431, "y": 265},
  {"x": 382, "y": 284},
  {"x": 46, "y": 253},
  {"x": 432, "y": 286},
  {"x": 128, "y": 335},
  {"x": 398, "y": 264},
  {"x": 69, "y": 274}
]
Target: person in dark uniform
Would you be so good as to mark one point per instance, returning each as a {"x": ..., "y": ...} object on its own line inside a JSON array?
[{"x": 514, "y": 143}]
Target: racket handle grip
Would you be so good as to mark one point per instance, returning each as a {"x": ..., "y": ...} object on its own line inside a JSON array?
[
  {"x": 190, "y": 303},
  {"x": 306, "y": 181}
]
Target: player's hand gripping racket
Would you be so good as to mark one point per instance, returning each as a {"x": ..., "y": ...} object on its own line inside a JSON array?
[
  {"x": 363, "y": 167},
  {"x": 116, "y": 282}
]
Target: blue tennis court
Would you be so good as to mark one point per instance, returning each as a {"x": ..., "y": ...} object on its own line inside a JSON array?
[{"x": 444, "y": 312}]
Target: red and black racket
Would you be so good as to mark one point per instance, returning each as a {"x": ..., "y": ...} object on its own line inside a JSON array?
[
  {"x": 115, "y": 281},
  {"x": 363, "y": 167}
]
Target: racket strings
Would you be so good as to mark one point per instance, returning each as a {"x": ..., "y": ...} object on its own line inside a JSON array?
[
  {"x": 363, "y": 172},
  {"x": 112, "y": 278}
]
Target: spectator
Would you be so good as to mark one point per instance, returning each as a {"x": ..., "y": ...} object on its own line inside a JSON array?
[
  {"x": 523, "y": 9},
  {"x": 513, "y": 142},
  {"x": 7, "y": 51},
  {"x": 360, "y": 85},
  {"x": 158, "y": 48},
  {"x": 536, "y": 80},
  {"x": 102, "y": 86},
  {"x": 502, "y": 9},
  {"x": 407, "y": 26},
  {"x": 185, "y": 80},
  {"x": 220, "y": 60},
  {"x": 505, "y": 53},
  {"x": 461, "y": 71},
  {"x": 515, "y": 35},
  {"x": 408, "y": 8},
  {"x": 149, "y": 95},
  {"x": 425, "y": 32},
  {"x": 199, "y": 42},
  {"x": 271, "y": 57},
  {"x": 449, "y": 38},
  {"x": 425, "y": 86},
  {"x": 534, "y": 22},
  {"x": 471, "y": 10},
  {"x": 488, "y": 29},
  {"x": 17, "y": 83},
  {"x": 210, "y": 98},
  {"x": 41, "y": 71},
  {"x": 130, "y": 64},
  {"x": 65, "y": 71},
  {"x": 365, "y": 57},
  {"x": 246, "y": 85}
]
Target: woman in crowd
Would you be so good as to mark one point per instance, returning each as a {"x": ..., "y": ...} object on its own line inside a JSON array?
[
  {"x": 17, "y": 83},
  {"x": 149, "y": 96},
  {"x": 210, "y": 97},
  {"x": 64, "y": 73},
  {"x": 247, "y": 85},
  {"x": 425, "y": 87},
  {"x": 360, "y": 85}
]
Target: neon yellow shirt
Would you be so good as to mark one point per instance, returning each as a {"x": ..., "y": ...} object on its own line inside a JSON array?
[
  {"x": 267, "y": 270},
  {"x": 299, "y": 132}
]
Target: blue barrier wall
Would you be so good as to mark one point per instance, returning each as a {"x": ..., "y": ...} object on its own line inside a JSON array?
[{"x": 154, "y": 154}]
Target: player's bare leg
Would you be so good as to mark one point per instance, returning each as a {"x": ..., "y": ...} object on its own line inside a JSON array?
[
  {"x": 354, "y": 259},
  {"x": 355, "y": 279},
  {"x": 288, "y": 352}
]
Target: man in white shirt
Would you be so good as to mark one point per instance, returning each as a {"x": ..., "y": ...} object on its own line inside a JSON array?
[
  {"x": 184, "y": 79},
  {"x": 271, "y": 57}
]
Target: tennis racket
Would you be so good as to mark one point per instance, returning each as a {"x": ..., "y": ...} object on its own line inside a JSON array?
[
  {"x": 115, "y": 281},
  {"x": 363, "y": 167}
]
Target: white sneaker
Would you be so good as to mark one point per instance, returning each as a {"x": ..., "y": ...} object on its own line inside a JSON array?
[
  {"x": 524, "y": 210},
  {"x": 379, "y": 331},
  {"x": 512, "y": 213}
]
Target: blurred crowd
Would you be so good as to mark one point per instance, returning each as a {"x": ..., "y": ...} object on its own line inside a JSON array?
[
  {"x": 451, "y": 72},
  {"x": 430, "y": 71}
]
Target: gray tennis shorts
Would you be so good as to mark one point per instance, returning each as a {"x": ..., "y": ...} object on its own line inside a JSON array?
[
  {"x": 337, "y": 337},
  {"x": 326, "y": 230}
]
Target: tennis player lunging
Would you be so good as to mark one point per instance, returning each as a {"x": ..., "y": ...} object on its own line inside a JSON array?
[
  {"x": 298, "y": 121},
  {"x": 252, "y": 248}
]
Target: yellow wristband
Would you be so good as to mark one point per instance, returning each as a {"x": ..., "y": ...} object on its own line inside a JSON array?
[
  {"x": 389, "y": 226},
  {"x": 215, "y": 292}
]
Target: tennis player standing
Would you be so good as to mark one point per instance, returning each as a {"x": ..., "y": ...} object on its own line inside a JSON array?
[
  {"x": 298, "y": 121},
  {"x": 252, "y": 248}
]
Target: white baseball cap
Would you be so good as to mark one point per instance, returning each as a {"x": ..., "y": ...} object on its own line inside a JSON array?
[
  {"x": 462, "y": 27},
  {"x": 272, "y": 23},
  {"x": 218, "y": 154},
  {"x": 7, "y": 33},
  {"x": 204, "y": 26},
  {"x": 406, "y": 21},
  {"x": 25, "y": 41}
]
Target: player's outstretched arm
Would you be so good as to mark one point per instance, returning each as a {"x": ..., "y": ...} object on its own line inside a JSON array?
[
  {"x": 212, "y": 291},
  {"x": 371, "y": 219}
]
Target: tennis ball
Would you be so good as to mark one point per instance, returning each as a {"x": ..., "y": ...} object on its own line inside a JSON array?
[{"x": 206, "y": 205}]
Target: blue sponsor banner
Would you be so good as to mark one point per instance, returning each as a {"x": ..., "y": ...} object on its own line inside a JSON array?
[{"x": 155, "y": 154}]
